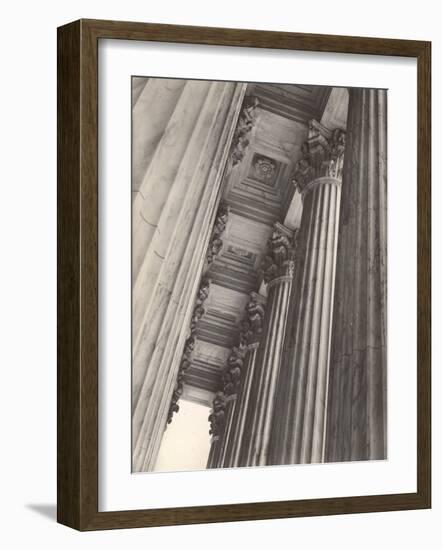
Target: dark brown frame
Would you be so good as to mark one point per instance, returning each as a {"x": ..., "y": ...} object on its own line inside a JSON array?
[{"x": 77, "y": 226}]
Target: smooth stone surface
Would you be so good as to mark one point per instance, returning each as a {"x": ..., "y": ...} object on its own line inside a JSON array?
[
  {"x": 184, "y": 175},
  {"x": 357, "y": 421}
]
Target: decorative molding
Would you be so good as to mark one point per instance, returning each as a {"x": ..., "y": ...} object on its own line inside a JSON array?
[
  {"x": 203, "y": 376},
  {"x": 217, "y": 417},
  {"x": 253, "y": 323},
  {"x": 198, "y": 313},
  {"x": 216, "y": 243},
  {"x": 322, "y": 156},
  {"x": 179, "y": 384},
  {"x": 241, "y": 136},
  {"x": 264, "y": 170},
  {"x": 201, "y": 297},
  {"x": 233, "y": 276},
  {"x": 278, "y": 263},
  {"x": 250, "y": 329},
  {"x": 233, "y": 370},
  {"x": 293, "y": 102},
  {"x": 325, "y": 180}
]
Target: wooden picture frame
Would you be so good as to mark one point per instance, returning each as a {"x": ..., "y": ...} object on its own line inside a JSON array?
[{"x": 77, "y": 226}]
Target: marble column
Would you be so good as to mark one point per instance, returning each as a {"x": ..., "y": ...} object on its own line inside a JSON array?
[
  {"x": 164, "y": 93},
  {"x": 173, "y": 213},
  {"x": 299, "y": 423},
  {"x": 231, "y": 381},
  {"x": 213, "y": 453},
  {"x": 356, "y": 428},
  {"x": 277, "y": 268},
  {"x": 217, "y": 420},
  {"x": 236, "y": 439},
  {"x": 236, "y": 382}
]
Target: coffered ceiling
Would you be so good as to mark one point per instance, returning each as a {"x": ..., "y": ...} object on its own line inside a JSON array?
[
  {"x": 297, "y": 102},
  {"x": 258, "y": 192}
]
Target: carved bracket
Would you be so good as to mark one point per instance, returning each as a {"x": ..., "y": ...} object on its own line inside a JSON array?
[
  {"x": 179, "y": 384},
  {"x": 250, "y": 329},
  {"x": 216, "y": 243},
  {"x": 279, "y": 259},
  {"x": 253, "y": 323},
  {"x": 198, "y": 313},
  {"x": 241, "y": 137},
  {"x": 233, "y": 371},
  {"x": 218, "y": 414}
]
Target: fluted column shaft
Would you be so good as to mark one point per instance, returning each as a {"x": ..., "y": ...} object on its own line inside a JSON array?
[
  {"x": 230, "y": 405},
  {"x": 238, "y": 422},
  {"x": 173, "y": 214},
  {"x": 263, "y": 403},
  {"x": 217, "y": 420},
  {"x": 299, "y": 426},
  {"x": 259, "y": 401},
  {"x": 219, "y": 460},
  {"x": 212, "y": 461},
  {"x": 357, "y": 392}
]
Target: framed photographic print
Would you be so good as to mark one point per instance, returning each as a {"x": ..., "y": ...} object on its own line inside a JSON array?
[{"x": 243, "y": 275}]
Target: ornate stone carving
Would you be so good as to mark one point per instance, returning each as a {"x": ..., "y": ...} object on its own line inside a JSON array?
[
  {"x": 217, "y": 416},
  {"x": 197, "y": 314},
  {"x": 252, "y": 325},
  {"x": 221, "y": 219},
  {"x": 203, "y": 291},
  {"x": 199, "y": 310},
  {"x": 214, "y": 249},
  {"x": 179, "y": 384},
  {"x": 216, "y": 243},
  {"x": 337, "y": 150},
  {"x": 268, "y": 269},
  {"x": 232, "y": 373},
  {"x": 187, "y": 354},
  {"x": 255, "y": 313},
  {"x": 246, "y": 334},
  {"x": 322, "y": 155},
  {"x": 279, "y": 260},
  {"x": 263, "y": 169},
  {"x": 280, "y": 245},
  {"x": 245, "y": 124}
]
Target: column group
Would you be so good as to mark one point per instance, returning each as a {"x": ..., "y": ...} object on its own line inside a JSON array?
[{"x": 247, "y": 402}]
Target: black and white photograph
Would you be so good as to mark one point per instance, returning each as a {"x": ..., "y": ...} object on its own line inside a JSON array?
[
  {"x": 220, "y": 243},
  {"x": 259, "y": 274}
]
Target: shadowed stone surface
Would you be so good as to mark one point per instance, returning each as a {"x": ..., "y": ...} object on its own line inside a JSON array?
[{"x": 357, "y": 391}]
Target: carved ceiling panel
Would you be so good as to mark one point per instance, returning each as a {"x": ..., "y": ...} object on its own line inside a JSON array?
[
  {"x": 259, "y": 187},
  {"x": 205, "y": 371},
  {"x": 245, "y": 243},
  {"x": 224, "y": 312},
  {"x": 292, "y": 101},
  {"x": 257, "y": 193},
  {"x": 264, "y": 170}
]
